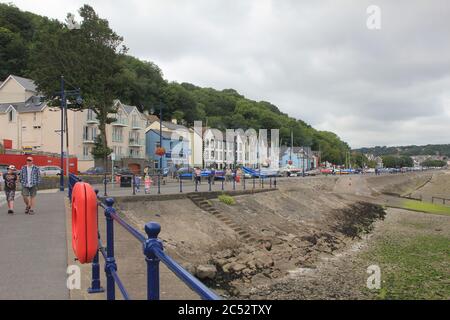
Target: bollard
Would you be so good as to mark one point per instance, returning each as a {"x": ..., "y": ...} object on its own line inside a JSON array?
[
  {"x": 262, "y": 183},
  {"x": 243, "y": 181},
  {"x": 196, "y": 185},
  {"x": 152, "y": 229},
  {"x": 181, "y": 184},
  {"x": 95, "y": 283},
  {"x": 209, "y": 182},
  {"x": 110, "y": 261},
  {"x": 275, "y": 183},
  {"x": 223, "y": 180},
  {"x": 134, "y": 184},
  {"x": 234, "y": 183},
  {"x": 253, "y": 182},
  {"x": 270, "y": 182}
]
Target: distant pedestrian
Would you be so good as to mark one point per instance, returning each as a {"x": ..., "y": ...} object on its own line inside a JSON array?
[
  {"x": 147, "y": 183},
  {"x": 137, "y": 183},
  {"x": 30, "y": 178},
  {"x": 213, "y": 174},
  {"x": 238, "y": 175},
  {"x": 10, "y": 179},
  {"x": 228, "y": 175},
  {"x": 198, "y": 175}
]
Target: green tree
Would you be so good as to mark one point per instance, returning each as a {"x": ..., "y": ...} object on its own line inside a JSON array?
[
  {"x": 434, "y": 163},
  {"x": 89, "y": 58}
]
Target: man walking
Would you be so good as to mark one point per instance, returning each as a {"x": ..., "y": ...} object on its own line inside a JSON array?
[{"x": 30, "y": 178}]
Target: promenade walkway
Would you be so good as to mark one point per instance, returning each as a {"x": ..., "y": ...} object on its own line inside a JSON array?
[{"x": 33, "y": 250}]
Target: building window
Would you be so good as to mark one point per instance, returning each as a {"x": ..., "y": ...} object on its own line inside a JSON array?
[
  {"x": 117, "y": 135},
  {"x": 11, "y": 116}
]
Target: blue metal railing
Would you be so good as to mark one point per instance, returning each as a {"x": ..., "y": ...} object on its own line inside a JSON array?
[{"x": 152, "y": 250}]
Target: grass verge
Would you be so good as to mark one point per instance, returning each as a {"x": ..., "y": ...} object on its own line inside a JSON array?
[
  {"x": 426, "y": 207},
  {"x": 228, "y": 200},
  {"x": 414, "y": 268}
]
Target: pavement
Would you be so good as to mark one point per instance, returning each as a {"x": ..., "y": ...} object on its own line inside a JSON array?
[{"x": 33, "y": 250}]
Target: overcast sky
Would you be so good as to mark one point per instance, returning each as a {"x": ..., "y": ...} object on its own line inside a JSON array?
[{"x": 316, "y": 60}]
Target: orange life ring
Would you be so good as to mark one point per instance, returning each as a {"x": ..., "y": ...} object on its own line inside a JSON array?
[{"x": 84, "y": 222}]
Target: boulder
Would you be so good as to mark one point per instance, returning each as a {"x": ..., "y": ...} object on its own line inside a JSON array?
[
  {"x": 189, "y": 268},
  {"x": 206, "y": 272},
  {"x": 237, "y": 267}
]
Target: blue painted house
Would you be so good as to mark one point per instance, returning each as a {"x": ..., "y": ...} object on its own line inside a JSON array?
[
  {"x": 176, "y": 146},
  {"x": 301, "y": 157}
]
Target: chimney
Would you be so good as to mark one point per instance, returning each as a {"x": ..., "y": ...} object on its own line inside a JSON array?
[{"x": 174, "y": 121}]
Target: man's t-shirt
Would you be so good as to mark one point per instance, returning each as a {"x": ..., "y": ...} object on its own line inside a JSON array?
[{"x": 29, "y": 178}]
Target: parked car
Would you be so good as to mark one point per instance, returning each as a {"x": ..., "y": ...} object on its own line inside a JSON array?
[
  {"x": 50, "y": 171},
  {"x": 94, "y": 170},
  {"x": 123, "y": 172}
]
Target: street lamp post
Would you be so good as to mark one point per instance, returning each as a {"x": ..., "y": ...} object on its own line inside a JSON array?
[
  {"x": 160, "y": 135},
  {"x": 63, "y": 94},
  {"x": 63, "y": 102}
]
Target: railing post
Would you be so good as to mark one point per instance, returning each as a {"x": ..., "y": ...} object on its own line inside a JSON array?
[
  {"x": 152, "y": 229},
  {"x": 159, "y": 183},
  {"x": 105, "y": 182},
  {"x": 95, "y": 283},
  {"x": 110, "y": 261}
]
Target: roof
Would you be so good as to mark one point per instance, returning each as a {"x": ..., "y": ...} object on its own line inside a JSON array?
[
  {"x": 28, "y": 84},
  {"x": 172, "y": 126},
  {"x": 151, "y": 118},
  {"x": 33, "y": 104},
  {"x": 166, "y": 135},
  {"x": 128, "y": 109},
  {"x": 4, "y": 107},
  {"x": 295, "y": 150}
]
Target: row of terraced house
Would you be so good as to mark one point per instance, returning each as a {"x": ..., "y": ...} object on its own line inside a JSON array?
[{"x": 28, "y": 123}]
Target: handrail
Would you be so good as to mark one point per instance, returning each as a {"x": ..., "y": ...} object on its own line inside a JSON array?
[
  {"x": 152, "y": 249},
  {"x": 185, "y": 276}
]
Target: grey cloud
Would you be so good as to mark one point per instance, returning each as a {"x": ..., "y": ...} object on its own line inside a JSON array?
[{"x": 316, "y": 60}]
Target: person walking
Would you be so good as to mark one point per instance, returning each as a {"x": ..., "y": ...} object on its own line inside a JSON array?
[
  {"x": 147, "y": 183},
  {"x": 228, "y": 175},
  {"x": 137, "y": 183},
  {"x": 30, "y": 178},
  {"x": 10, "y": 179},
  {"x": 198, "y": 175}
]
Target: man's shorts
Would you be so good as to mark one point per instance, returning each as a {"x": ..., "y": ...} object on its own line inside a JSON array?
[
  {"x": 10, "y": 194},
  {"x": 29, "y": 192}
]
